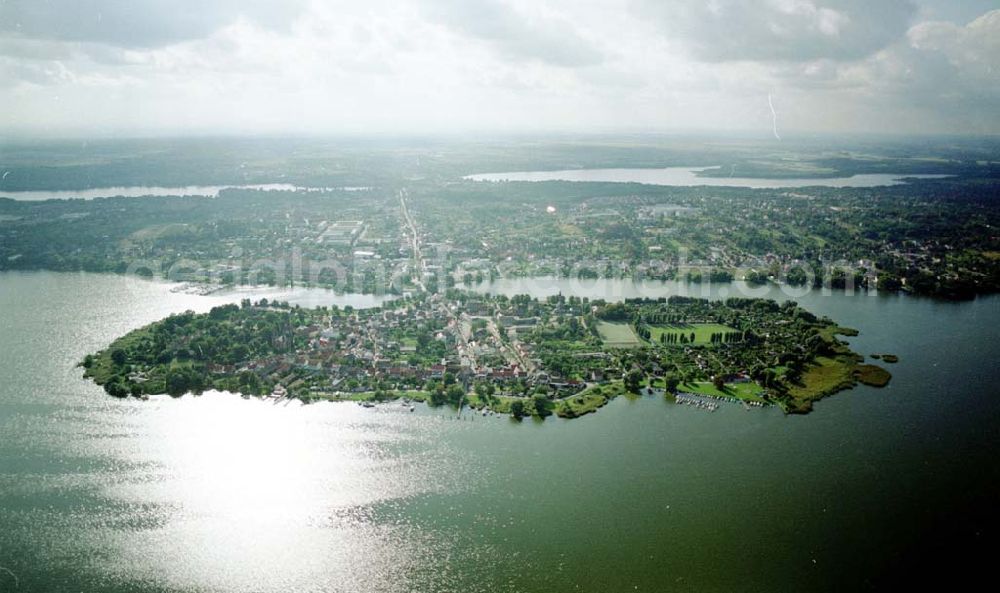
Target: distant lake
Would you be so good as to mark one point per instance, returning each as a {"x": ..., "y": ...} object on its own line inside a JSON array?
[
  {"x": 689, "y": 177},
  {"x": 139, "y": 191}
]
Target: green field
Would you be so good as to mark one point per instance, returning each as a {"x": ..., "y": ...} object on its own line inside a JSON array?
[
  {"x": 618, "y": 335},
  {"x": 702, "y": 331}
]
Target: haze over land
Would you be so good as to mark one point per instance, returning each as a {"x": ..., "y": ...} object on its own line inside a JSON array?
[{"x": 106, "y": 67}]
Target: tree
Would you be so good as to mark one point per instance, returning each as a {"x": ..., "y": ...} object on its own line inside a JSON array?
[
  {"x": 455, "y": 393},
  {"x": 541, "y": 406},
  {"x": 719, "y": 383},
  {"x": 437, "y": 396},
  {"x": 633, "y": 379},
  {"x": 517, "y": 408},
  {"x": 118, "y": 356},
  {"x": 671, "y": 381},
  {"x": 115, "y": 387},
  {"x": 177, "y": 382},
  {"x": 249, "y": 383},
  {"x": 423, "y": 339},
  {"x": 182, "y": 380}
]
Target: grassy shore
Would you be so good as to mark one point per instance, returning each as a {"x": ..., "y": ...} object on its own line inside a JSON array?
[
  {"x": 589, "y": 400},
  {"x": 828, "y": 375},
  {"x": 872, "y": 375}
]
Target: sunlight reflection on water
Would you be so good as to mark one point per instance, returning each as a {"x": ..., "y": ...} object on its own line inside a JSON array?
[{"x": 274, "y": 489}]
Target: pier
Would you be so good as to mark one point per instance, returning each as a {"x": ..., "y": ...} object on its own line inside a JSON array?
[{"x": 711, "y": 402}]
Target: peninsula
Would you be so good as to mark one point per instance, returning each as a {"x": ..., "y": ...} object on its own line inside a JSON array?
[{"x": 518, "y": 355}]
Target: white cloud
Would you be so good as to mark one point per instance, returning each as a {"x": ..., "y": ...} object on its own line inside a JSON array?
[
  {"x": 517, "y": 33},
  {"x": 136, "y": 23},
  {"x": 525, "y": 65},
  {"x": 789, "y": 30}
]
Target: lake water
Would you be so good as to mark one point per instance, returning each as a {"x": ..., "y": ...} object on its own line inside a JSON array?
[
  {"x": 210, "y": 191},
  {"x": 217, "y": 493},
  {"x": 688, "y": 177}
]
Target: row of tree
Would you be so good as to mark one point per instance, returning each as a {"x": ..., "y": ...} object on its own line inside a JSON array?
[
  {"x": 727, "y": 337},
  {"x": 676, "y": 338}
]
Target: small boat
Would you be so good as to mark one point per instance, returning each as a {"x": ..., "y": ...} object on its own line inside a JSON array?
[
  {"x": 412, "y": 408},
  {"x": 367, "y": 404}
]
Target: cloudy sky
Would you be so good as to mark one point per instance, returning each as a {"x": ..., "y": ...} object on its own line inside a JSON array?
[{"x": 140, "y": 67}]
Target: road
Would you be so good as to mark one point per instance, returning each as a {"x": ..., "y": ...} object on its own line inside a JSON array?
[{"x": 418, "y": 259}]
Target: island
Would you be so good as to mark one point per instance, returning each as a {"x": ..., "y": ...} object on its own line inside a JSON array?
[{"x": 518, "y": 355}]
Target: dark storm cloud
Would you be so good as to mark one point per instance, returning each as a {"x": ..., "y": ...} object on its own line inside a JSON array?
[
  {"x": 781, "y": 30},
  {"x": 135, "y": 23},
  {"x": 549, "y": 40}
]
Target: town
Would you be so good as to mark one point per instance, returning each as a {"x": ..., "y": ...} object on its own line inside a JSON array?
[
  {"x": 518, "y": 355},
  {"x": 427, "y": 235}
]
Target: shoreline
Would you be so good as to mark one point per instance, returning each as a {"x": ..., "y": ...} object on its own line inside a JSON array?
[
  {"x": 687, "y": 287},
  {"x": 517, "y": 355}
]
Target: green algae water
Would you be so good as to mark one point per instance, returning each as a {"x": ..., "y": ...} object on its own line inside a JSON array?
[{"x": 219, "y": 493}]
